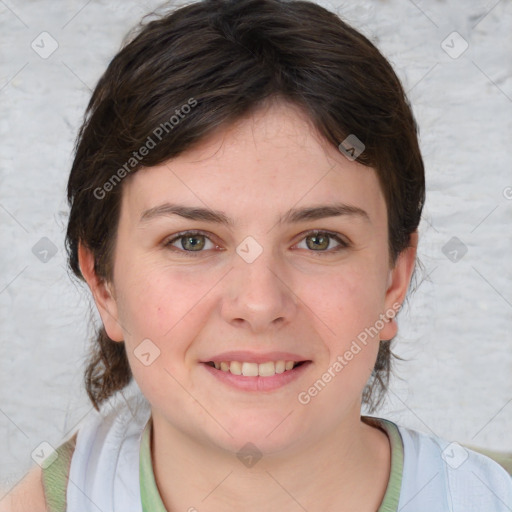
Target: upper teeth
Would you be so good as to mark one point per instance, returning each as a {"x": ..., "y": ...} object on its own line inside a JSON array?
[{"x": 266, "y": 369}]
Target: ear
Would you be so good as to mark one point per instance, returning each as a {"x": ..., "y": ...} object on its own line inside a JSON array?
[
  {"x": 398, "y": 283},
  {"x": 103, "y": 294}
]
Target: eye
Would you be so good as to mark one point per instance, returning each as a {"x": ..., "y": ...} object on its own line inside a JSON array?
[
  {"x": 194, "y": 242},
  {"x": 319, "y": 241},
  {"x": 190, "y": 242}
]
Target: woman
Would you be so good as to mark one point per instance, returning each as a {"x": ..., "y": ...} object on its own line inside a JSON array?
[{"x": 245, "y": 197}]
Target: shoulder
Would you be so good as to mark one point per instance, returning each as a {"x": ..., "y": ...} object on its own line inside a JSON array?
[
  {"x": 101, "y": 443},
  {"x": 43, "y": 488},
  {"x": 28, "y": 495},
  {"x": 439, "y": 469}
]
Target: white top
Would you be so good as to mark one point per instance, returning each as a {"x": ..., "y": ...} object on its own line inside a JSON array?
[
  {"x": 438, "y": 476},
  {"x": 478, "y": 484},
  {"x": 104, "y": 471}
]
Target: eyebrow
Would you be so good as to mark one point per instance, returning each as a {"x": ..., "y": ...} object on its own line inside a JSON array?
[{"x": 293, "y": 216}]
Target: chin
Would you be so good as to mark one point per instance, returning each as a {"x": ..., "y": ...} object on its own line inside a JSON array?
[{"x": 268, "y": 432}]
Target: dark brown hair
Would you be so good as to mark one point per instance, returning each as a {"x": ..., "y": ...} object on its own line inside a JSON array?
[{"x": 223, "y": 59}]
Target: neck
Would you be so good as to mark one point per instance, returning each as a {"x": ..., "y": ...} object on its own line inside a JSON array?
[{"x": 347, "y": 469}]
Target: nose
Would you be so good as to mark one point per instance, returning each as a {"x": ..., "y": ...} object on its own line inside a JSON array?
[{"x": 258, "y": 295}]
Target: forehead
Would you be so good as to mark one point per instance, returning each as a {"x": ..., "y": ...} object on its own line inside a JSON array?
[{"x": 256, "y": 169}]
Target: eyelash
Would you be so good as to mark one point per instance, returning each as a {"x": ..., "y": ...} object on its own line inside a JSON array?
[{"x": 343, "y": 243}]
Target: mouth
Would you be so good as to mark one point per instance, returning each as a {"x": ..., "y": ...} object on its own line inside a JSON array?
[
  {"x": 251, "y": 369},
  {"x": 266, "y": 376}
]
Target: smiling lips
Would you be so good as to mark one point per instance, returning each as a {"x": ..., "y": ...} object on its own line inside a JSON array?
[
  {"x": 255, "y": 364},
  {"x": 251, "y": 369},
  {"x": 256, "y": 371}
]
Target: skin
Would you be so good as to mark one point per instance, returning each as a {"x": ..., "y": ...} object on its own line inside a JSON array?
[{"x": 293, "y": 297}]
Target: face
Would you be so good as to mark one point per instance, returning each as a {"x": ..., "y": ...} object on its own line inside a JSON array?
[{"x": 272, "y": 275}]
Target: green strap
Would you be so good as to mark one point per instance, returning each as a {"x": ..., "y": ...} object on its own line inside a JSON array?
[
  {"x": 55, "y": 477},
  {"x": 392, "y": 496},
  {"x": 151, "y": 500}
]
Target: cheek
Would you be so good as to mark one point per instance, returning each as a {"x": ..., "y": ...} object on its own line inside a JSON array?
[
  {"x": 348, "y": 310},
  {"x": 348, "y": 306},
  {"x": 161, "y": 303},
  {"x": 160, "y": 310},
  {"x": 347, "y": 300}
]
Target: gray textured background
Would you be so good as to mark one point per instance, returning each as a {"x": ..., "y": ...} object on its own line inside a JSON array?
[{"x": 457, "y": 330}]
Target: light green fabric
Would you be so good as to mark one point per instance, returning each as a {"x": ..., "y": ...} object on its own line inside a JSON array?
[
  {"x": 152, "y": 502},
  {"x": 392, "y": 496},
  {"x": 55, "y": 477}
]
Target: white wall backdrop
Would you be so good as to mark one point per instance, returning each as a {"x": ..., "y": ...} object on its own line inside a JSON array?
[{"x": 456, "y": 333}]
